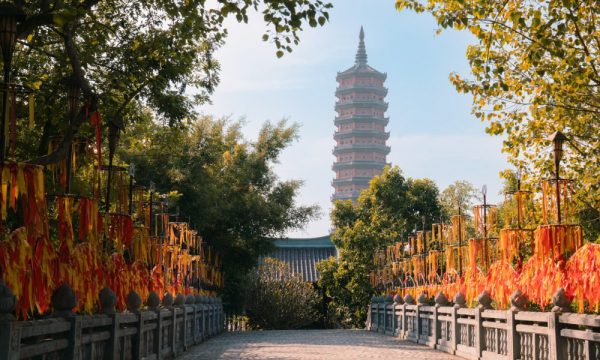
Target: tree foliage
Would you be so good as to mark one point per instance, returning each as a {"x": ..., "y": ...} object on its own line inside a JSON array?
[
  {"x": 535, "y": 69},
  {"x": 228, "y": 189},
  {"x": 390, "y": 207},
  {"x": 277, "y": 298},
  {"x": 130, "y": 56}
]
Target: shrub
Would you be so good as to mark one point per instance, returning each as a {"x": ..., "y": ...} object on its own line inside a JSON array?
[{"x": 276, "y": 298}]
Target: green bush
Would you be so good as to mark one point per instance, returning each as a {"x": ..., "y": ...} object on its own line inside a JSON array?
[{"x": 276, "y": 298}]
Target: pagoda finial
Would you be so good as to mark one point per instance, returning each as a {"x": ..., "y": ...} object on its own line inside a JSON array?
[{"x": 361, "y": 54}]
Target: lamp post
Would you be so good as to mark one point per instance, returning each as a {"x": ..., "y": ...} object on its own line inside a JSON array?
[
  {"x": 151, "y": 188},
  {"x": 459, "y": 232},
  {"x": 558, "y": 140},
  {"x": 131, "y": 172},
  {"x": 73, "y": 92},
  {"x": 10, "y": 15},
  {"x": 485, "y": 239},
  {"x": 518, "y": 198}
]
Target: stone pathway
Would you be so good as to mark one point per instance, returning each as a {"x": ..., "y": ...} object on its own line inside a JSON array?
[{"x": 312, "y": 344}]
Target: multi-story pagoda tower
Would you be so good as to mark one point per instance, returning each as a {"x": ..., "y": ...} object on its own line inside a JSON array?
[{"x": 360, "y": 150}]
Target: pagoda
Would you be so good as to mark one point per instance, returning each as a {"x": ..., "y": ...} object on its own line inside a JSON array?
[{"x": 360, "y": 150}]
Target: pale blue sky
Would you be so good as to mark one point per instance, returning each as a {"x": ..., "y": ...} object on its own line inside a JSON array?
[{"x": 433, "y": 133}]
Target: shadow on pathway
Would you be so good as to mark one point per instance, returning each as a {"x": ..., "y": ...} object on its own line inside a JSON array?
[{"x": 313, "y": 345}]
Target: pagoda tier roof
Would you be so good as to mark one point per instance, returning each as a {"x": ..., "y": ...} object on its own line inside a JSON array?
[
  {"x": 361, "y": 132},
  {"x": 361, "y": 104},
  {"x": 360, "y": 71},
  {"x": 353, "y": 195},
  {"x": 379, "y": 90},
  {"x": 358, "y": 164},
  {"x": 355, "y": 180},
  {"x": 382, "y": 149},
  {"x": 363, "y": 119}
]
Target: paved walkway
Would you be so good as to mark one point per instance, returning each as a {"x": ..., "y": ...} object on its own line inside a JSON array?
[{"x": 311, "y": 344}]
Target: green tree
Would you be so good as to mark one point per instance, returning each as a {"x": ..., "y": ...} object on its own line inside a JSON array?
[
  {"x": 228, "y": 189},
  {"x": 461, "y": 194},
  {"x": 390, "y": 207},
  {"x": 129, "y": 57},
  {"x": 277, "y": 298},
  {"x": 535, "y": 69}
]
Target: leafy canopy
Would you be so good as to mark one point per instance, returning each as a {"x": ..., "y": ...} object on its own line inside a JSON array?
[
  {"x": 228, "y": 190},
  {"x": 128, "y": 56},
  {"x": 535, "y": 69},
  {"x": 391, "y": 207}
]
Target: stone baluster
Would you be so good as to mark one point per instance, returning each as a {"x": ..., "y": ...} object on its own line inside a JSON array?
[
  {"x": 484, "y": 301},
  {"x": 397, "y": 324},
  {"x": 108, "y": 301},
  {"x": 459, "y": 302},
  {"x": 153, "y": 303},
  {"x": 188, "y": 337},
  {"x": 10, "y": 329},
  {"x": 421, "y": 301},
  {"x": 408, "y": 300},
  {"x": 63, "y": 302},
  {"x": 440, "y": 300},
  {"x": 167, "y": 303},
  {"x": 518, "y": 300},
  {"x": 134, "y": 303},
  {"x": 561, "y": 305},
  {"x": 178, "y": 303}
]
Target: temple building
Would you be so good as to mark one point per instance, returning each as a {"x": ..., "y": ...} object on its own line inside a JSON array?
[
  {"x": 360, "y": 151},
  {"x": 302, "y": 255}
]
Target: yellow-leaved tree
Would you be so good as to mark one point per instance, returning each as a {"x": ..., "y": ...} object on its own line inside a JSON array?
[{"x": 535, "y": 69}]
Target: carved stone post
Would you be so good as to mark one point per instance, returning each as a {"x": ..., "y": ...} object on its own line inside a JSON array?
[
  {"x": 10, "y": 329},
  {"x": 178, "y": 303},
  {"x": 108, "y": 300},
  {"x": 561, "y": 305},
  {"x": 421, "y": 301},
  {"x": 63, "y": 302},
  {"x": 397, "y": 324},
  {"x": 408, "y": 300},
  {"x": 485, "y": 303},
  {"x": 440, "y": 300},
  {"x": 517, "y": 302},
  {"x": 134, "y": 303},
  {"x": 459, "y": 302},
  {"x": 153, "y": 303},
  {"x": 168, "y": 304},
  {"x": 188, "y": 337}
]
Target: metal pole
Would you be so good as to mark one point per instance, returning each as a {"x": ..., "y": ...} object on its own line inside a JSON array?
[
  {"x": 130, "y": 194},
  {"x": 557, "y": 169},
  {"x": 459, "y": 241},
  {"x": 485, "y": 240},
  {"x": 4, "y": 103}
]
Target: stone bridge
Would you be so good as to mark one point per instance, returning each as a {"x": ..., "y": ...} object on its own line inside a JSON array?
[{"x": 311, "y": 344}]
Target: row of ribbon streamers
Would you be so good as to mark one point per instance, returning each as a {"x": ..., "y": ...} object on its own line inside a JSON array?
[
  {"x": 140, "y": 245},
  {"x": 557, "y": 241},
  {"x": 66, "y": 236},
  {"x": 90, "y": 221},
  {"x": 120, "y": 231},
  {"x": 554, "y": 193},
  {"x": 512, "y": 242},
  {"x": 141, "y": 212},
  {"x": 455, "y": 258},
  {"x": 23, "y": 207},
  {"x": 540, "y": 277},
  {"x": 16, "y": 95},
  {"x": 518, "y": 209},
  {"x": 583, "y": 277},
  {"x": 433, "y": 263},
  {"x": 501, "y": 282},
  {"x": 119, "y": 188},
  {"x": 63, "y": 175}
]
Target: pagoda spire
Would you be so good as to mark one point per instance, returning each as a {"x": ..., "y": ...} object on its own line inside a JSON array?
[{"x": 361, "y": 53}]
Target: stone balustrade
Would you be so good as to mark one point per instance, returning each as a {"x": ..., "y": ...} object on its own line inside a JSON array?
[
  {"x": 164, "y": 330},
  {"x": 484, "y": 333}
]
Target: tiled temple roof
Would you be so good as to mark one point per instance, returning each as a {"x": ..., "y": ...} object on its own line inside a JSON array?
[{"x": 302, "y": 255}]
